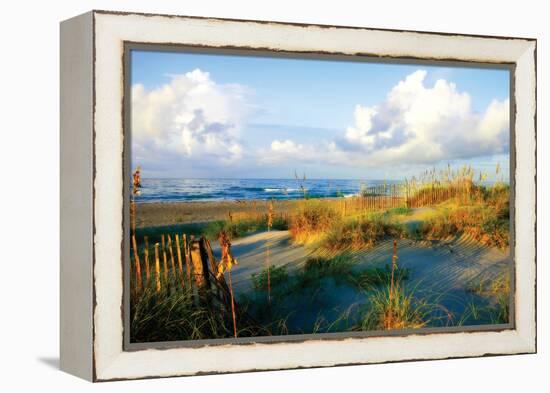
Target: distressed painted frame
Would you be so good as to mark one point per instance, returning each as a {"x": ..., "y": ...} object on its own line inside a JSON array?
[{"x": 92, "y": 189}]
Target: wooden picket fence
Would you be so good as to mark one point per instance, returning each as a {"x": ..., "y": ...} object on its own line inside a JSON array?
[
  {"x": 180, "y": 263},
  {"x": 411, "y": 194}
]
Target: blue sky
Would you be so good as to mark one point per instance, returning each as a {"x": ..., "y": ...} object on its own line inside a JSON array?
[{"x": 324, "y": 109}]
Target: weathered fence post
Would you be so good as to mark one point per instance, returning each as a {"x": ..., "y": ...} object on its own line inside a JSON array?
[
  {"x": 137, "y": 262},
  {"x": 178, "y": 254},
  {"x": 200, "y": 267},
  {"x": 187, "y": 260},
  {"x": 213, "y": 264},
  {"x": 157, "y": 267},
  {"x": 164, "y": 260},
  {"x": 171, "y": 255},
  {"x": 146, "y": 255},
  {"x": 210, "y": 253}
]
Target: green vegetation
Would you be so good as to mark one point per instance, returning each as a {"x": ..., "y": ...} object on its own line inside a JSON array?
[
  {"x": 277, "y": 275},
  {"x": 400, "y": 211},
  {"x": 372, "y": 277},
  {"x": 175, "y": 315},
  {"x": 235, "y": 229},
  {"x": 154, "y": 233},
  {"x": 240, "y": 228},
  {"x": 497, "y": 291},
  {"x": 397, "y": 309}
]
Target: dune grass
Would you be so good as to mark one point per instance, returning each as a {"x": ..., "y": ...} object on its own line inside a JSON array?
[
  {"x": 487, "y": 224},
  {"x": 321, "y": 224},
  {"x": 497, "y": 293},
  {"x": 372, "y": 277},
  {"x": 401, "y": 308},
  {"x": 173, "y": 315},
  {"x": 240, "y": 228},
  {"x": 176, "y": 313},
  {"x": 398, "y": 311},
  {"x": 277, "y": 275},
  {"x": 154, "y": 233},
  {"x": 311, "y": 221},
  {"x": 362, "y": 233},
  {"x": 399, "y": 211}
]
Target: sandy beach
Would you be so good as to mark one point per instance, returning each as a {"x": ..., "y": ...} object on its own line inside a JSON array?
[{"x": 170, "y": 213}]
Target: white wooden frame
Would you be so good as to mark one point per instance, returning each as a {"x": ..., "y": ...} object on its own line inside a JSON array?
[{"x": 92, "y": 199}]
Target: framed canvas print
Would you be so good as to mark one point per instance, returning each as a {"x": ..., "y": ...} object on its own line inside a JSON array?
[{"x": 246, "y": 195}]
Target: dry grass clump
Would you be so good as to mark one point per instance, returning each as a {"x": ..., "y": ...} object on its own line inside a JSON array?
[
  {"x": 311, "y": 221},
  {"x": 319, "y": 222},
  {"x": 397, "y": 309},
  {"x": 358, "y": 234},
  {"x": 486, "y": 218},
  {"x": 485, "y": 224}
]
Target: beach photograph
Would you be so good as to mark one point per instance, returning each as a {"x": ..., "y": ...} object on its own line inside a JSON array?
[{"x": 282, "y": 196}]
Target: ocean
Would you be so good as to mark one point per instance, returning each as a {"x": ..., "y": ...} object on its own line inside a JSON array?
[{"x": 180, "y": 190}]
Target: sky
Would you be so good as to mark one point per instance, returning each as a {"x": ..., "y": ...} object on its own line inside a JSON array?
[{"x": 197, "y": 115}]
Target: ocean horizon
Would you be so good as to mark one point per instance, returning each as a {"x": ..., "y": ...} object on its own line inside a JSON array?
[{"x": 188, "y": 190}]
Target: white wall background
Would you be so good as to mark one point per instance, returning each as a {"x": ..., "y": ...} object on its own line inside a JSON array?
[{"x": 29, "y": 198}]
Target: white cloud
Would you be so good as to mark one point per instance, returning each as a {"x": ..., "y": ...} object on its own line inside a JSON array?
[
  {"x": 420, "y": 124},
  {"x": 189, "y": 118},
  {"x": 286, "y": 150}
]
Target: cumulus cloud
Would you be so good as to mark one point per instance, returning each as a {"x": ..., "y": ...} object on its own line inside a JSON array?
[
  {"x": 191, "y": 117},
  {"x": 414, "y": 124},
  {"x": 421, "y": 124}
]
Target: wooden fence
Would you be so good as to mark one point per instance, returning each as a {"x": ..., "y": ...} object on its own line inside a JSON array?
[
  {"x": 408, "y": 194},
  {"x": 179, "y": 263}
]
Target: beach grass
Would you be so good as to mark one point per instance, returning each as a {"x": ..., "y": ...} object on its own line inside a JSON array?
[
  {"x": 169, "y": 315},
  {"x": 361, "y": 233},
  {"x": 244, "y": 227},
  {"x": 496, "y": 291},
  {"x": 311, "y": 221},
  {"x": 487, "y": 223},
  {"x": 400, "y": 211},
  {"x": 277, "y": 275},
  {"x": 397, "y": 308}
]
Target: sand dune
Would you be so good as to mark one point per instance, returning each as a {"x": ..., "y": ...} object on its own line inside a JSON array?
[
  {"x": 252, "y": 251},
  {"x": 446, "y": 266}
]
